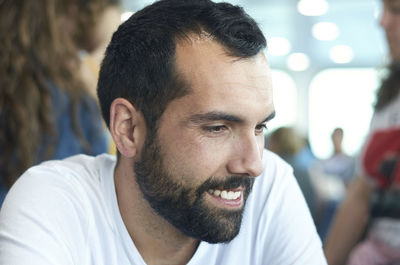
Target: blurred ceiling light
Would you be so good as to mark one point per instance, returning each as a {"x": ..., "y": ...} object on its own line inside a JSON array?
[
  {"x": 278, "y": 46},
  {"x": 126, "y": 15},
  {"x": 325, "y": 31},
  {"x": 298, "y": 62},
  {"x": 341, "y": 54},
  {"x": 312, "y": 7}
]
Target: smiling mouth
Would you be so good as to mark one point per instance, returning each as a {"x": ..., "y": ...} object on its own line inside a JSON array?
[
  {"x": 225, "y": 194},
  {"x": 227, "y": 198}
]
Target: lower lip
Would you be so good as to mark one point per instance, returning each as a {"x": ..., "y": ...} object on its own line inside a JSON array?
[{"x": 228, "y": 203}]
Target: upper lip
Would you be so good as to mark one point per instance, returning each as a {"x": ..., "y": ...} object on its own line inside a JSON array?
[{"x": 234, "y": 189}]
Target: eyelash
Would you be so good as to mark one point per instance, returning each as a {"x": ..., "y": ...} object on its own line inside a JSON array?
[
  {"x": 219, "y": 128},
  {"x": 261, "y": 128},
  {"x": 215, "y": 129}
]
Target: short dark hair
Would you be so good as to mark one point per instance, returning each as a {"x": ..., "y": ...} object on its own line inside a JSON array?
[{"x": 139, "y": 64}]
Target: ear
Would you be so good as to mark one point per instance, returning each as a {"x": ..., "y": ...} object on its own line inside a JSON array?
[{"x": 127, "y": 127}]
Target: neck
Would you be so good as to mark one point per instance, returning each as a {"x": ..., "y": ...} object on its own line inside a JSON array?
[
  {"x": 338, "y": 150},
  {"x": 157, "y": 240}
]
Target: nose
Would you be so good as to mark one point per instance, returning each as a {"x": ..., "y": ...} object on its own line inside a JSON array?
[{"x": 246, "y": 158}]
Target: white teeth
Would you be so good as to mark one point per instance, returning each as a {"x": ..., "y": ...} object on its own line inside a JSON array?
[{"x": 226, "y": 195}]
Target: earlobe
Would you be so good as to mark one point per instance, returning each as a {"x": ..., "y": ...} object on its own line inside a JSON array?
[{"x": 127, "y": 127}]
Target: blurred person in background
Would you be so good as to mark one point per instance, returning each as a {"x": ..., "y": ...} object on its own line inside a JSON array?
[
  {"x": 107, "y": 23},
  {"x": 45, "y": 109},
  {"x": 305, "y": 156},
  {"x": 340, "y": 164},
  {"x": 331, "y": 176},
  {"x": 372, "y": 204},
  {"x": 288, "y": 143}
]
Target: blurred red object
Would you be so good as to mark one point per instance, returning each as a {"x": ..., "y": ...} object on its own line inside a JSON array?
[{"x": 381, "y": 159}]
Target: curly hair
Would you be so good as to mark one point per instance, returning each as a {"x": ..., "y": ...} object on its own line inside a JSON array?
[{"x": 35, "y": 51}]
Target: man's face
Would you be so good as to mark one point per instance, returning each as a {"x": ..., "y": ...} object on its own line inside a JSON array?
[
  {"x": 390, "y": 22},
  {"x": 198, "y": 170}
]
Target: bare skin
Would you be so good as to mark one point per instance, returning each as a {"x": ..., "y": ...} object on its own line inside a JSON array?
[
  {"x": 192, "y": 143},
  {"x": 337, "y": 139},
  {"x": 350, "y": 222}
]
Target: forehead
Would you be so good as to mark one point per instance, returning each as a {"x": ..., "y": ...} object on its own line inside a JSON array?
[{"x": 216, "y": 78}]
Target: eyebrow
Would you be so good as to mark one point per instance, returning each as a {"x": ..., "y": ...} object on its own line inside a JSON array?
[
  {"x": 221, "y": 116},
  {"x": 214, "y": 116},
  {"x": 270, "y": 117}
]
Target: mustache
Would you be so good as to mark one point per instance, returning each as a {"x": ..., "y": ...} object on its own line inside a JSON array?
[{"x": 227, "y": 183}]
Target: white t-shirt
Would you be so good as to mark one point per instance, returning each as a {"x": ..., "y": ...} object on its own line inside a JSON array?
[{"x": 66, "y": 212}]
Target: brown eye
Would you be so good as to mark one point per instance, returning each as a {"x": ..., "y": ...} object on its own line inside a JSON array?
[
  {"x": 215, "y": 129},
  {"x": 260, "y": 128}
]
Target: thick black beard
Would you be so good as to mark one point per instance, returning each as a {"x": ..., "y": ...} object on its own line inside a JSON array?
[{"x": 185, "y": 207}]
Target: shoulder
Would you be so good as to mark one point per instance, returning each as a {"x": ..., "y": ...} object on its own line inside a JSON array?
[
  {"x": 71, "y": 180},
  {"x": 74, "y": 168},
  {"x": 78, "y": 166},
  {"x": 55, "y": 203}
]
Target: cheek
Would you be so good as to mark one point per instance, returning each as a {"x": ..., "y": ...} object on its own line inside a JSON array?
[
  {"x": 261, "y": 143},
  {"x": 194, "y": 157}
]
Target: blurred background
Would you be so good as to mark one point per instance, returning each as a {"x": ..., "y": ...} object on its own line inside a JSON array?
[{"x": 327, "y": 57}]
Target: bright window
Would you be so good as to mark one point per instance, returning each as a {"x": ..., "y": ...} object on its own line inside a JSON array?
[
  {"x": 341, "y": 98},
  {"x": 285, "y": 100}
]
